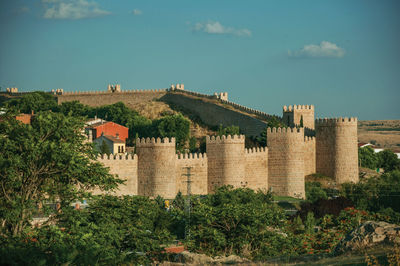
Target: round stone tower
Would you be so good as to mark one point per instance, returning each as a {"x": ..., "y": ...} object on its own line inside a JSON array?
[
  {"x": 336, "y": 148},
  {"x": 226, "y": 163},
  {"x": 156, "y": 167},
  {"x": 286, "y": 161}
]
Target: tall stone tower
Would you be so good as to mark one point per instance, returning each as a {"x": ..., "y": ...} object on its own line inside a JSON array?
[
  {"x": 292, "y": 115},
  {"x": 156, "y": 167},
  {"x": 286, "y": 161},
  {"x": 226, "y": 164},
  {"x": 336, "y": 148}
]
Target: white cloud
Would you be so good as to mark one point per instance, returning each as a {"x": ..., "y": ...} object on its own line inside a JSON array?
[
  {"x": 324, "y": 49},
  {"x": 214, "y": 27},
  {"x": 72, "y": 9},
  {"x": 137, "y": 12}
]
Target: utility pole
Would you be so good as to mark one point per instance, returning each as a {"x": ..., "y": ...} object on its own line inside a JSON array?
[{"x": 188, "y": 203}]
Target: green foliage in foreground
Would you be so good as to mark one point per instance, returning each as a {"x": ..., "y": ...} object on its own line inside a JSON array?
[
  {"x": 240, "y": 222},
  {"x": 375, "y": 193},
  {"x": 110, "y": 231},
  {"x": 44, "y": 161},
  {"x": 314, "y": 191}
]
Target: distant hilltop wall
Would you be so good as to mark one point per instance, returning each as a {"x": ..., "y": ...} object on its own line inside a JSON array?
[
  {"x": 251, "y": 122},
  {"x": 99, "y": 98},
  {"x": 215, "y": 115}
]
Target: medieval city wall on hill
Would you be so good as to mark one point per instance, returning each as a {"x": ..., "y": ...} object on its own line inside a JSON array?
[
  {"x": 326, "y": 146},
  {"x": 216, "y": 115},
  {"x": 99, "y": 98}
]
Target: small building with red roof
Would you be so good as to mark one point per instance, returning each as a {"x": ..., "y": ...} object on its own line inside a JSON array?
[{"x": 98, "y": 127}]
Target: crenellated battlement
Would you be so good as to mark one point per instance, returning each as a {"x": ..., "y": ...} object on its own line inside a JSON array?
[
  {"x": 291, "y": 108},
  {"x": 155, "y": 142},
  {"x": 114, "y": 157},
  {"x": 309, "y": 139},
  {"x": 225, "y": 139},
  {"x": 335, "y": 121},
  {"x": 192, "y": 156},
  {"x": 255, "y": 150},
  {"x": 102, "y": 92},
  {"x": 283, "y": 130}
]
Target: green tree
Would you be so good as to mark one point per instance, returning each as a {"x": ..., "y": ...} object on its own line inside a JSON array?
[
  {"x": 237, "y": 221},
  {"x": 104, "y": 149},
  {"x": 309, "y": 223},
  {"x": 175, "y": 126},
  {"x": 74, "y": 108},
  {"x": 225, "y": 131},
  {"x": 192, "y": 144},
  {"x": 388, "y": 160},
  {"x": 44, "y": 161},
  {"x": 301, "y": 122},
  {"x": 368, "y": 158},
  {"x": 314, "y": 191},
  {"x": 110, "y": 231},
  {"x": 35, "y": 101}
]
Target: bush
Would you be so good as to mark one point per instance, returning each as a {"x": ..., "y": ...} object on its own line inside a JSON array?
[
  {"x": 237, "y": 221},
  {"x": 314, "y": 192},
  {"x": 111, "y": 230}
]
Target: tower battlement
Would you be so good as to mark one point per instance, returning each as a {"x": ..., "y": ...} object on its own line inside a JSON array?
[
  {"x": 225, "y": 139},
  {"x": 283, "y": 130},
  {"x": 309, "y": 139},
  {"x": 143, "y": 142},
  {"x": 191, "y": 156},
  {"x": 291, "y": 108},
  {"x": 110, "y": 157},
  {"x": 299, "y": 115},
  {"x": 336, "y": 121},
  {"x": 255, "y": 150}
]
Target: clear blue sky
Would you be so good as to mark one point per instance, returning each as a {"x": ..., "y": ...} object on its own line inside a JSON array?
[{"x": 343, "y": 56}]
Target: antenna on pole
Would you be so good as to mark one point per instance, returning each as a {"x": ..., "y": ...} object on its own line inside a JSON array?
[{"x": 188, "y": 203}]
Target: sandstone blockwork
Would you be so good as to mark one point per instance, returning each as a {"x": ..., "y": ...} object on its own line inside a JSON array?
[
  {"x": 293, "y": 115},
  {"x": 325, "y": 146},
  {"x": 336, "y": 149},
  {"x": 286, "y": 161}
]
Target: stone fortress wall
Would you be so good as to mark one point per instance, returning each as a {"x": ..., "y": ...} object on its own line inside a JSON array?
[
  {"x": 335, "y": 150},
  {"x": 291, "y": 153},
  {"x": 286, "y": 161},
  {"x": 251, "y": 121}
]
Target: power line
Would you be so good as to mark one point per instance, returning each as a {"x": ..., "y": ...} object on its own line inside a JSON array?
[{"x": 188, "y": 204}]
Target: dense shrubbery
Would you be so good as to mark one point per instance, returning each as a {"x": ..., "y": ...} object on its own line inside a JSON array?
[
  {"x": 385, "y": 159},
  {"x": 110, "y": 231},
  {"x": 376, "y": 193},
  {"x": 237, "y": 221}
]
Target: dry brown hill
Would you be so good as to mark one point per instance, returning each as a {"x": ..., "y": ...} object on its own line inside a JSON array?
[{"x": 382, "y": 133}]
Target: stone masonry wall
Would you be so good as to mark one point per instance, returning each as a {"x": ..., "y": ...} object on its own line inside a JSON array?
[
  {"x": 216, "y": 115},
  {"x": 336, "y": 148},
  {"x": 286, "y": 161},
  {"x": 105, "y": 98},
  {"x": 199, "y": 178},
  {"x": 156, "y": 167},
  {"x": 256, "y": 168},
  {"x": 226, "y": 163},
  {"x": 309, "y": 156},
  {"x": 126, "y": 167},
  {"x": 293, "y": 114}
]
